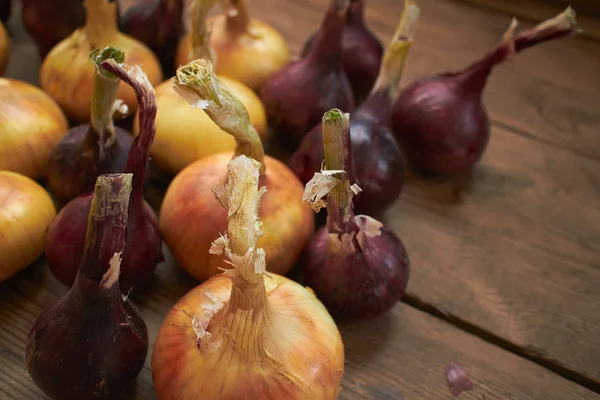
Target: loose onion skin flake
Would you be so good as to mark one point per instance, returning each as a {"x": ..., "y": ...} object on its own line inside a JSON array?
[
  {"x": 247, "y": 49},
  {"x": 184, "y": 135},
  {"x": 190, "y": 216},
  {"x": 247, "y": 334},
  {"x": 26, "y": 212},
  {"x": 357, "y": 267},
  {"x": 378, "y": 165},
  {"x": 93, "y": 342},
  {"x": 32, "y": 124},
  {"x": 67, "y": 75},
  {"x": 441, "y": 123}
]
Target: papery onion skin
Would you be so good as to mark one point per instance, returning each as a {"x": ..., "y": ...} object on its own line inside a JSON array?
[
  {"x": 191, "y": 218},
  {"x": 364, "y": 282},
  {"x": 310, "y": 347},
  {"x": 32, "y": 123},
  {"x": 4, "y": 49},
  {"x": 251, "y": 58},
  {"x": 185, "y": 134},
  {"x": 26, "y": 212}
]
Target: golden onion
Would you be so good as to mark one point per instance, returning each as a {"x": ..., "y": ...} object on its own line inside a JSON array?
[
  {"x": 31, "y": 123},
  {"x": 26, "y": 211}
]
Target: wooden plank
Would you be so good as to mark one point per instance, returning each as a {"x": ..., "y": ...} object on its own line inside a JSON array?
[{"x": 399, "y": 356}]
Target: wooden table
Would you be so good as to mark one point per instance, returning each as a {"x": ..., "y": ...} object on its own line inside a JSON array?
[{"x": 505, "y": 262}]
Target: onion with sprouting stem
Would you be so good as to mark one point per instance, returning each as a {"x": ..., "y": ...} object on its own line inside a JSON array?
[
  {"x": 247, "y": 333},
  {"x": 378, "y": 165},
  {"x": 93, "y": 342},
  {"x": 357, "y": 267},
  {"x": 297, "y": 95},
  {"x": 361, "y": 51},
  {"x": 67, "y": 75},
  {"x": 93, "y": 149},
  {"x": 26, "y": 212},
  {"x": 184, "y": 135},
  {"x": 32, "y": 123},
  {"x": 143, "y": 247},
  {"x": 247, "y": 49},
  {"x": 441, "y": 123},
  {"x": 190, "y": 217}
]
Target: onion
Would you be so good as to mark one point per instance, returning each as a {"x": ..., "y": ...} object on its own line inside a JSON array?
[
  {"x": 441, "y": 123},
  {"x": 184, "y": 135},
  {"x": 65, "y": 243},
  {"x": 49, "y": 22},
  {"x": 93, "y": 341},
  {"x": 297, "y": 96},
  {"x": 378, "y": 166},
  {"x": 248, "y": 50},
  {"x": 32, "y": 123},
  {"x": 361, "y": 51},
  {"x": 26, "y": 211},
  {"x": 189, "y": 217},
  {"x": 247, "y": 334},
  {"x": 357, "y": 267},
  {"x": 157, "y": 23},
  {"x": 4, "y": 49},
  {"x": 90, "y": 150},
  {"x": 66, "y": 73}
]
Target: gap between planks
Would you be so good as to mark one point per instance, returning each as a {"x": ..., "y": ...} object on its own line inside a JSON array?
[{"x": 530, "y": 354}]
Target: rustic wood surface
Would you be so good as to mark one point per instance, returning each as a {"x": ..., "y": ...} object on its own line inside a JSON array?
[{"x": 509, "y": 253}]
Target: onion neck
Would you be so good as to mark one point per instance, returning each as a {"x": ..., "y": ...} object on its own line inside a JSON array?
[
  {"x": 197, "y": 83},
  {"x": 139, "y": 153},
  {"x": 101, "y": 22},
  {"x": 200, "y": 33},
  {"x": 563, "y": 25},
  {"x": 107, "y": 225},
  {"x": 327, "y": 45},
  {"x": 355, "y": 15},
  {"x": 237, "y": 19}
]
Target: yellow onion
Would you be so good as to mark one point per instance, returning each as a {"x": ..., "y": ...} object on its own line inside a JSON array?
[
  {"x": 68, "y": 76},
  {"x": 190, "y": 217},
  {"x": 31, "y": 124},
  {"x": 184, "y": 135},
  {"x": 26, "y": 211},
  {"x": 4, "y": 49},
  {"x": 248, "y": 50},
  {"x": 247, "y": 334}
]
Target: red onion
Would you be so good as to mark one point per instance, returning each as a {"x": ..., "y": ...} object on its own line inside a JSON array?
[
  {"x": 93, "y": 149},
  {"x": 361, "y": 51},
  {"x": 441, "y": 123},
  {"x": 297, "y": 95},
  {"x": 92, "y": 342},
  {"x": 357, "y": 267},
  {"x": 378, "y": 166},
  {"x": 65, "y": 245}
]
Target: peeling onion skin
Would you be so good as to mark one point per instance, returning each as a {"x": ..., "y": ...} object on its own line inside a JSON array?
[
  {"x": 32, "y": 123},
  {"x": 312, "y": 350},
  {"x": 361, "y": 51},
  {"x": 4, "y": 49},
  {"x": 26, "y": 212},
  {"x": 185, "y": 134},
  {"x": 363, "y": 283},
  {"x": 191, "y": 217}
]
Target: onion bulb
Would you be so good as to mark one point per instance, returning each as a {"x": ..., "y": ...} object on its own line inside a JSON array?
[
  {"x": 190, "y": 216},
  {"x": 441, "y": 123},
  {"x": 378, "y": 165},
  {"x": 184, "y": 135},
  {"x": 247, "y": 334},
  {"x": 4, "y": 49},
  {"x": 247, "y": 49},
  {"x": 67, "y": 75},
  {"x": 32, "y": 123},
  {"x": 26, "y": 212},
  {"x": 357, "y": 267},
  {"x": 93, "y": 342}
]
